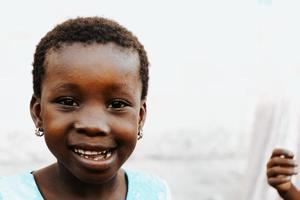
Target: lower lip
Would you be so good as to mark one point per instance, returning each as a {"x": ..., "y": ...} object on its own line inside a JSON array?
[{"x": 97, "y": 165}]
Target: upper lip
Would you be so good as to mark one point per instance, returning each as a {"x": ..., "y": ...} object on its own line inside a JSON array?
[{"x": 92, "y": 147}]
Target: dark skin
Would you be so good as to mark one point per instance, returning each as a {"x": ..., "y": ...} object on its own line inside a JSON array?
[
  {"x": 280, "y": 168},
  {"x": 91, "y": 100}
]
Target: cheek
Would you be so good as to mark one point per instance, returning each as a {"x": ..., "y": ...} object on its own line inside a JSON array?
[
  {"x": 129, "y": 123},
  {"x": 55, "y": 128},
  {"x": 54, "y": 121},
  {"x": 126, "y": 131},
  {"x": 56, "y": 124}
]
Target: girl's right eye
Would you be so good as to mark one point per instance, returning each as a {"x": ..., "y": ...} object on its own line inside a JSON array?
[{"x": 67, "y": 101}]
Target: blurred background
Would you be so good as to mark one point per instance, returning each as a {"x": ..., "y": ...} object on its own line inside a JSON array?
[{"x": 223, "y": 89}]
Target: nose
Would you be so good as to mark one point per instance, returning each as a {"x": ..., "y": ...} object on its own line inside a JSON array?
[{"x": 92, "y": 122}]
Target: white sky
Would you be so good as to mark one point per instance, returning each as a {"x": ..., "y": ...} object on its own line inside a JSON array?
[{"x": 211, "y": 61}]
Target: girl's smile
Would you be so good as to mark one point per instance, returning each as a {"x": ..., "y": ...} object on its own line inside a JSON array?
[
  {"x": 90, "y": 108},
  {"x": 94, "y": 156}
]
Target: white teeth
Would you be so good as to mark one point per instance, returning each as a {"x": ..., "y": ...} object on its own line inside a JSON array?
[
  {"x": 80, "y": 151},
  {"x": 96, "y": 155},
  {"x": 98, "y": 158},
  {"x": 108, "y": 154}
]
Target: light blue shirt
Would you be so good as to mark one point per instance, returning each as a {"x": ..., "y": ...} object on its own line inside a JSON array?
[{"x": 141, "y": 186}]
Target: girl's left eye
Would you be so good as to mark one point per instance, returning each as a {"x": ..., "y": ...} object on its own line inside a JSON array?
[{"x": 117, "y": 104}]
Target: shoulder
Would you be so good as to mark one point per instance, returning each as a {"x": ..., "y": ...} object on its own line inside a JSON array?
[
  {"x": 18, "y": 187},
  {"x": 143, "y": 185}
]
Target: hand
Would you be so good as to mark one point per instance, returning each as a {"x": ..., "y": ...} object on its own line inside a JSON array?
[{"x": 280, "y": 168}]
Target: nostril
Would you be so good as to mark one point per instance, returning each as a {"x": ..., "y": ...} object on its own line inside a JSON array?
[{"x": 80, "y": 130}]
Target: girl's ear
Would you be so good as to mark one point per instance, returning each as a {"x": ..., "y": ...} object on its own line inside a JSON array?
[
  {"x": 143, "y": 113},
  {"x": 35, "y": 111}
]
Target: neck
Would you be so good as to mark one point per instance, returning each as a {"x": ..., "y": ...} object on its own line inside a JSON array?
[{"x": 63, "y": 182}]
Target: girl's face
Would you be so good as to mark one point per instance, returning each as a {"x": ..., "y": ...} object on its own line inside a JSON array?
[{"x": 90, "y": 108}]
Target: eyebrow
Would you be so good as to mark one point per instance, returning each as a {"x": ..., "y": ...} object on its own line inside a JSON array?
[
  {"x": 117, "y": 86},
  {"x": 66, "y": 86},
  {"x": 72, "y": 86}
]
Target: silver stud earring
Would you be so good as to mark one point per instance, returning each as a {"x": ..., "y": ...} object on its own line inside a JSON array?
[
  {"x": 39, "y": 132},
  {"x": 140, "y": 134}
]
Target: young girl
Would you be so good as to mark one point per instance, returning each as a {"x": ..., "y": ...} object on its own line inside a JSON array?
[
  {"x": 90, "y": 81},
  {"x": 280, "y": 168}
]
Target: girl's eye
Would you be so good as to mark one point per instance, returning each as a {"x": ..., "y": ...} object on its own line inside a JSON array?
[
  {"x": 67, "y": 101},
  {"x": 117, "y": 104}
]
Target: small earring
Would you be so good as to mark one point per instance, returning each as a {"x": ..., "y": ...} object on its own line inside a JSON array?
[
  {"x": 140, "y": 134},
  {"x": 39, "y": 132}
]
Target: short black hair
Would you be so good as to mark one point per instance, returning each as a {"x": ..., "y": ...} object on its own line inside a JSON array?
[{"x": 88, "y": 30}]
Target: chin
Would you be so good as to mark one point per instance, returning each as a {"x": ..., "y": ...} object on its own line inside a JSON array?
[{"x": 95, "y": 177}]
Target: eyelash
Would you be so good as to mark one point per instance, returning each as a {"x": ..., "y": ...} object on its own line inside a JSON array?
[
  {"x": 71, "y": 103},
  {"x": 64, "y": 101},
  {"x": 121, "y": 104}
]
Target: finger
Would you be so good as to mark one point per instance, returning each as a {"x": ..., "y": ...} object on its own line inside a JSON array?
[
  {"x": 275, "y": 171},
  {"x": 284, "y": 162},
  {"x": 274, "y": 181},
  {"x": 282, "y": 152}
]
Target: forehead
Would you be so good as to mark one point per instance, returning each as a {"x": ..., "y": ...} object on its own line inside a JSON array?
[
  {"x": 84, "y": 54},
  {"x": 101, "y": 62}
]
